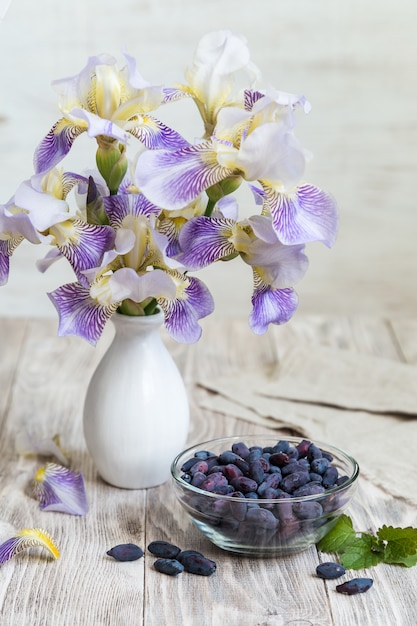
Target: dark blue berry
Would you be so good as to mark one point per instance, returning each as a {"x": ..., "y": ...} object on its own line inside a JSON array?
[
  {"x": 293, "y": 481},
  {"x": 241, "y": 449},
  {"x": 319, "y": 466},
  {"x": 172, "y": 567},
  {"x": 164, "y": 549},
  {"x": 330, "y": 476},
  {"x": 126, "y": 552},
  {"x": 198, "y": 564},
  {"x": 330, "y": 570},
  {"x": 185, "y": 553},
  {"x": 314, "y": 453},
  {"x": 281, "y": 446},
  {"x": 261, "y": 518},
  {"x": 354, "y": 586},
  {"x": 307, "y": 510}
]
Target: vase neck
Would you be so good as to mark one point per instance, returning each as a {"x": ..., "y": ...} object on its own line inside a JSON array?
[{"x": 134, "y": 325}]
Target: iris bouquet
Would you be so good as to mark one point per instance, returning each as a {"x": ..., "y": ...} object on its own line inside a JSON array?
[{"x": 136, "y": 228}]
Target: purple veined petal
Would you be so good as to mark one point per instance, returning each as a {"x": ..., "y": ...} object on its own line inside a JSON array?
[
  {"x": 58, "y": 488},
  {"x": 199, "y": 297},
  {"x": 309, "y": 214},
  {"x": 204, "y": 240},
  {"x": 82, "y": 244},
  {"x": 270, "y": 306},
  {"x": 171, "y": 228},
  {"x": 70, "y": 180},
  {"x": 183, "y": 312},
  {"x": 57, "y": 183},
  {"x": 172, "y": 94},
  {"x": 4, "y": 266},
  {"x": 7, "y": 247},
  {"x": 156, "y": 135},
  {"x": 182, "y": 175},
  {"x": 27, "y": 538},
  {"x": 78, "y": 313},
  {"x": 55, "y": 145},
  {"x": 250, "y": 97},
  {"x": 121, "y": 205},
  {"x": 100, "y": 126}
]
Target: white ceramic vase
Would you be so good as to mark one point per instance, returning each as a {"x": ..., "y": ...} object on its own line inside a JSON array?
[{"x": 136, "y": 411}]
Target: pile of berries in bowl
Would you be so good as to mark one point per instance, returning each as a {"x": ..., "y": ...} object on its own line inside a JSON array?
[{"x": 257, "y": 496}]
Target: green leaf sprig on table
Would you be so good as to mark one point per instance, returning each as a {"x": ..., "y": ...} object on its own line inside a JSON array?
[{"x": 358, "y": 550}]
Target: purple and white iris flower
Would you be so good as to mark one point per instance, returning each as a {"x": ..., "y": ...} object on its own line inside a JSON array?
[
  {"x": 257, "y": 145},
  {"x": 220, "y": 60},
  {"x": 137, "y": 271},
  {"x": 105, "y": 102},
  {"x": 276, "y": 267},
  {"x": 141, "y": 226}
]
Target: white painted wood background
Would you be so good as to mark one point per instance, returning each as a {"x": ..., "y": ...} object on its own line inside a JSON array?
[{"x": 354, "y": 60}]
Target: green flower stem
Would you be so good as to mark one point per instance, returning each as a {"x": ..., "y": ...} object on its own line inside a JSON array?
[{"x": 209, "y": 208}]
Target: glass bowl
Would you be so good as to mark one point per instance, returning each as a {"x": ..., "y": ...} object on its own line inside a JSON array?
[{"x": 242, "y": 514}]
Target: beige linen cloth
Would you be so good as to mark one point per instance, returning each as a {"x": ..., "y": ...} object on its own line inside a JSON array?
[{"x": 363, "y": 404}]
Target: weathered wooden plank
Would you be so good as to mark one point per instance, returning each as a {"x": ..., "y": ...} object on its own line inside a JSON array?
[
  {"x": 11, "y": 337},
  {"x": 86, "y": 587}
]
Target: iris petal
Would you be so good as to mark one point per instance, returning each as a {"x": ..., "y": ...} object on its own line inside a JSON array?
[
  {"x": 204, "y": 240},
  {"x": 56, "y": 145},
  {"x": 271, "y": 306},
  {"x": 60, "y": 489},
  {"x": 182, "y": 313},
  {"x": 121, "y": 205},
  {"x": 100, "y": 126},
  {"x": 310, "y": 214},
  {"x": 78, "y": 313},
  {"x": 84, "y": 244},
  {"x": 154, "y": 134},
  {"x": 4, "y": 267},
  {"x": 27, "y": 538},
  {"x": 27, "y": 444},
  {"x": 182, "y": 175}
]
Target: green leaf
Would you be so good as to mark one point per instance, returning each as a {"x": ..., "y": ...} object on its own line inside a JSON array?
[
  {"x": 407, "y": 561},
  {"x": 361, "y": 552},
  {"x": 397, "y": 546},
  {"x": 401, "y": 542},
  {"x": 339, "y": 536}
]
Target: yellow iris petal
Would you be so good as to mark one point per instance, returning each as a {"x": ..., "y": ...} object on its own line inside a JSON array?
[{"x": 38, "y": 537}]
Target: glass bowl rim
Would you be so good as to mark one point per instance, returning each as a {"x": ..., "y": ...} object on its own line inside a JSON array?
[{"x": 326, "y": 447}]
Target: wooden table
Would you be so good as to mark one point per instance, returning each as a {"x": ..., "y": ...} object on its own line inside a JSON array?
[{"x": 43, "y": 380}]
